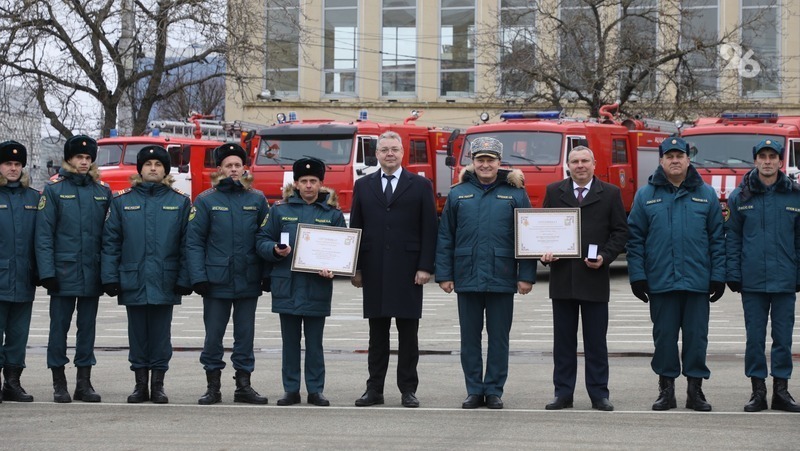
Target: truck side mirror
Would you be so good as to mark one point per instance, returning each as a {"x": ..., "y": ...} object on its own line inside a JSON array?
[
  {"x": 450, "y": 161},
  {"x": 450, "y": 141},
  {"x": 183, "y": 169}
]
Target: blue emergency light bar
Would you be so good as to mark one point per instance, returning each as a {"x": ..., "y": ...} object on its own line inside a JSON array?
[
  {"x": 555, "y": 114},
  {"x": 113, "y": 133},
  {"x": 362, "y": 115},
  {"x": 772, "y": 115}
]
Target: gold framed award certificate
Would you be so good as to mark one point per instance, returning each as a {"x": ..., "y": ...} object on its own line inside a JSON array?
[
  {"x": 538, "y": 231},
  {"x": 322, "y": 247}
]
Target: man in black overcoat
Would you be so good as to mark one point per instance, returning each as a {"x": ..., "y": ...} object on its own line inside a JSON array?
[
  {"x": 580, "y": 286},
  {"x": 396, "y": 211}
]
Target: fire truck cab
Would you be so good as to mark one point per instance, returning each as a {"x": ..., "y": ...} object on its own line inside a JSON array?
[
  {"x": 347, "y": 148},
  {"x": 189, "y": 144},
  {"x": 537, "y": 143},
  {"x": 722, "y": 147}
]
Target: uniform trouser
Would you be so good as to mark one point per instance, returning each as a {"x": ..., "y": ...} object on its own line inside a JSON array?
[
  {"x": 499, "y": 309},
  {"x": 216, "y": 313},
  {"x": 779, "y": 307},
  {"x": 15, "y": 324},
  {"x": 565, "y": 346},
  {"x": 149, "y": 336},
  {"x": 61, "y": 310},
  {"x": 685, "y": 312},
  {"x": 292, "y": 326},
  {"x": 407, "y": 353}
]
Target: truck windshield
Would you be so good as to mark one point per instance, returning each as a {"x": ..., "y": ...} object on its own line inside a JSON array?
[
  {"x": 287, "y": 149},
  {"x": 522, "y": 148},
  {"x": 109, "y": 154},
  {"x": 726, "y": 150}
]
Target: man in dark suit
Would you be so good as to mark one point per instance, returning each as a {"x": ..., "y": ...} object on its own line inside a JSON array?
[
  {"x": 581, "y": 286},
  {"x": 397, "y": 214}
]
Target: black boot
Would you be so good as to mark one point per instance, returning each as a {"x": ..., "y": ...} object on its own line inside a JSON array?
[
  {"x": 157, "y": 394},
  {"x": 695, "y": 399},
  {"x": 781, "y": 399},
  {"x": 12, "y": 390},
  {"x": 60, "y": 393},
  {"x": 666, "y": 394},
  {"x": 83, "y": 386},
  {"x": 212, "y": 395},
  {"x": 140, "y": 390},
  {"x": 1, "y": 391},
  {"x": 244, "y": 392},
  {"x": 758, "y": 400}
]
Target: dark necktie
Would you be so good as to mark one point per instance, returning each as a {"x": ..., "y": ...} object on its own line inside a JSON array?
[
  {"x": 388, "y": 191},
  {"x": 580, "y": 194}
]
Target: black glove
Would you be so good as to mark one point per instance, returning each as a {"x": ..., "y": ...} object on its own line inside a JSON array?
[
  {"x": 201, "y": 288},
  {"x": 181, "y": 290},
  {"x": 736, "y": 287},
  {"x": 640, "y": 289},
  {"x": 51, "y": 283},
  {"x": 797, "y": 288},
  {"x": 112, "y": 289},
  {"x": 266, "y": 284},
  {"x": 715, "y": 290}
]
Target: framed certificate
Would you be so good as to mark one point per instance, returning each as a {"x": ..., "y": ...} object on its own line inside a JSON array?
[
  {"x": 322, "y": 247},
  {"x": 538, "y": 231}
]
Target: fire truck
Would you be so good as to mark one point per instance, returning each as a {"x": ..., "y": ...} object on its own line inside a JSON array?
[
  {"x": 348, "y": 150},
  {"x": 190, "y": 146},
  {"x": 722, "y": 147},
  {"x": 537, "y": 142}
]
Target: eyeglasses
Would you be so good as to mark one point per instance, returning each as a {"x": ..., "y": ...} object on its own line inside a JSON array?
[{"x": 390, "y": 149}]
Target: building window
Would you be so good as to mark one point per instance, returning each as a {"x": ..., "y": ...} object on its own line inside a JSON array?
[
  {"x": 341, "y": 46},
  {"x": 639, "y": 46},
  {"x": 699, "y": 70},
  {"x": 517, "y": 51},
  {"x": 399, "y": 45},
  {"x": 760, "y": 33},
  {"x": 283, "y": 47},
  {"x": 457, "y": 48},
  {"x": 578, "y": 46}
]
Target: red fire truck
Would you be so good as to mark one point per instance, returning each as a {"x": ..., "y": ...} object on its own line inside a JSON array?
[
  {"x": 190, "y": 146},
  {"x": 537, "y": 142},
  {"x": 722, "y": 147},
  {"x": 347, "y": 148}
]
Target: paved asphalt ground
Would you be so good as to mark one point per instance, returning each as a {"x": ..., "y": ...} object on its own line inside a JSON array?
[{"x": 439, "y": 423}]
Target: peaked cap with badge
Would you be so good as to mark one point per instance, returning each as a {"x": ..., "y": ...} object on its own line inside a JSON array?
[
  {"x": 486, "y": 146},
  {"x": 673, "y": 143},
  {"x": 768, "y": 144}
]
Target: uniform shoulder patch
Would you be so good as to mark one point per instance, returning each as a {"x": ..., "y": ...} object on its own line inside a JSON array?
[
  {"x": 55, "y": 180},
  {"x": 277, "y": 202},
  {"x": 207, "y": 192},
  {"x": 102, "y": 183},
  {"x": 179, "y": 192},
  {"x": 122, "y": 191}
]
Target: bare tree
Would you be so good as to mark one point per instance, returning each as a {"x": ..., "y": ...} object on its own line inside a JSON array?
[
  {"x": 207, "y": 98},
  {"x": 75, "y": 56},
  {"x": 650, "y": 56}
]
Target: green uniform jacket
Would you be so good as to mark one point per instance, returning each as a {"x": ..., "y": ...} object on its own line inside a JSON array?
[{"x": 17, "y": 221}]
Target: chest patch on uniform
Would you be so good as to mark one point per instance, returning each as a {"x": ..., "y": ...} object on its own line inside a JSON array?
[
  {"x": 744, "y": 207},
  {"x": 653, "y": 201},
  {"x": 322, "y": 221},
  {"x": 500, "y": 196},
  {"x": 700, "y": 199},
  {"x": 3, "y": 206},
  {"x": 42, "y": 202},
  {"x": 100, "y": 198},
  {"x": 219, "y": 208},
  {"x": 66, "y": 196},
  {"x": 793, "y": 209},
  {"x": 132, "y": 207},
  {"x": 289, "y": 218},
  {"x": 250, "y": 208},
  {"x": 30, "y": 207},
  {"x": 466, "y": 196},
  {"x": 170, "y": 207}
]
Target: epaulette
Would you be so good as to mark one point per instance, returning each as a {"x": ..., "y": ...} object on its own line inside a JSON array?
[
  {"x": 122, "y": 191},
  {"x": 102, "y": 183},
  {"x": 278, "y": 202},
  {"x": 56, "y": 180},
  {"x": 179, "y": 191},
  {"x": 207, "y": 192}
]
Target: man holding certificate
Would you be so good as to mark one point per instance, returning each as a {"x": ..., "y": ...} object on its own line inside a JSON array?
[
  {"x": 475, "y": 257},
  {"x": 581, "y": 287},
  {"x": 396, "y": 211},
  {"x": 302, "y": 299},
  {"x": 676, "y": 262}
]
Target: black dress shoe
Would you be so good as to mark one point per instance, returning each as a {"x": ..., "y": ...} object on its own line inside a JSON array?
[
  {"x": 602, "y": 404},
  {"x": 369, "y": 398},
  {"x": 473, "y": 402},
  {"x": 318, "y": 399},
  {"x": 560, "y": 402},
  {"x": 410, "y": 400},
  {"x": 494, "y": 402},
  {"x": 289, "y": 398}
]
